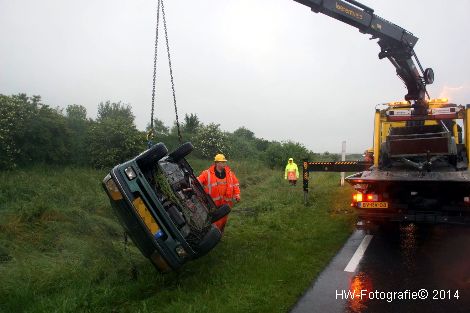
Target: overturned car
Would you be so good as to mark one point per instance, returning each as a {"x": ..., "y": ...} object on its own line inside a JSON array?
[{"x": 163, "y": 207}]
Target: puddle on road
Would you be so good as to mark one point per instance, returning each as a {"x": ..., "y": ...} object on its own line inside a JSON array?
[{"x": 361, "y": 284}]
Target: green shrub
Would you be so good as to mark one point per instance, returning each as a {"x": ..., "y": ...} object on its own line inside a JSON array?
[
  {"x": 31, "y": 132},
  {"x": 277, "y": 154},
  {"x": 114, "y": 141},
  {"x": 114, "y": 138},
  {"x": 210, "y": 140}
]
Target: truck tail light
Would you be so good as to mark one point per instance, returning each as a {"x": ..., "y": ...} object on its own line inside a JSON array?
[
  {"x": 368, "y": 197},
  {"x": 357, "y": 197}
]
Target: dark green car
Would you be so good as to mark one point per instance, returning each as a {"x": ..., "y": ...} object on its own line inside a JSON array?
[{"x": 163, "y": 207}]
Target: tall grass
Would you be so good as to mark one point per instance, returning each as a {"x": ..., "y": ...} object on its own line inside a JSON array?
[{"x": 62, "y": 249}]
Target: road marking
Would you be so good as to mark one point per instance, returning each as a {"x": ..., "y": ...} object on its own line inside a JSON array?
[{"x": 356, "y": 258}]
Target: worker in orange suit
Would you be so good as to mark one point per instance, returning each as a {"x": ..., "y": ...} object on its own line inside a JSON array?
[
  {"x": 221, "y": 184},
  {"x": 369, "y": 155}
]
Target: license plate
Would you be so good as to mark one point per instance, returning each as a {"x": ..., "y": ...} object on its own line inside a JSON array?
[
  {"x": 146, "y": 216},
  {"x": 374, "y": 205}
]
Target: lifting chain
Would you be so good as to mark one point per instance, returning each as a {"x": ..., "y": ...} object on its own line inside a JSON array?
[
  {"x": 154, "y": 70},
  {"x": 150, "y": 134}
]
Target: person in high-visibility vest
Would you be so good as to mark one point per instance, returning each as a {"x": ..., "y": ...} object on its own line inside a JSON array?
[
  {"x": 221, "y": 184},
  {"x": 292, "y": 172},
  {"x": 369, "y": 155}
]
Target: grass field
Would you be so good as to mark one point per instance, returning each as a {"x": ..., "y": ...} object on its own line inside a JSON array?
[{"x": 62, "y": 249}]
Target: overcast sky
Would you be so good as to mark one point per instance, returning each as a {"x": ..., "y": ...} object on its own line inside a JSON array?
[{"x": 272, "y": 66}]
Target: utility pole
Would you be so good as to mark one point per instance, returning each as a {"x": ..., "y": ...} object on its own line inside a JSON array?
[{"x": 343, "y": 158}]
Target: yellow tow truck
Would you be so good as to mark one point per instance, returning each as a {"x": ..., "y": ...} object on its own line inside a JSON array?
[
  {"x": 421, "y": 145},
  {"x": 420, "y": 170}
]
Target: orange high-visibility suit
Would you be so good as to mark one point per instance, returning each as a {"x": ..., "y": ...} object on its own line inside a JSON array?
[{"x": 222, "y": 189}]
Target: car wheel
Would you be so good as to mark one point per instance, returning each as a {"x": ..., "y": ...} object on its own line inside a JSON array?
[
  {"x": 152, "y": 155},
  {"x": 210, "y": 240},
  {"x": 220, "y": 212},
  {"x": 181, "y": 151}
]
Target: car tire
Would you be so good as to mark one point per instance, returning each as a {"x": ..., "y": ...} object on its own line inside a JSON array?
[
  {"x": 181, "y": 151},
  {"x": 210, "y": 240},
  {"x": 152, "y": 155},
  {"x": 220, "y": 213}
]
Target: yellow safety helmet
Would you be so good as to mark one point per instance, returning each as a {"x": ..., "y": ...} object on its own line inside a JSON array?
[
  {"x": 220, "y": 158},
  {"x": 291, "y": 159}
]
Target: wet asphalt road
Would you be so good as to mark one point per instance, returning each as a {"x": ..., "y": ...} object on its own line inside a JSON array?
[{"x": 399, "y": 263}]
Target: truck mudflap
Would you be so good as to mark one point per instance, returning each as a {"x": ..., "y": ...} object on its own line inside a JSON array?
[{"x": 423, "y": 197}]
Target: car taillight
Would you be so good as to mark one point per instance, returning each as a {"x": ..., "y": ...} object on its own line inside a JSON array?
[{"x": 160, "y": 262}]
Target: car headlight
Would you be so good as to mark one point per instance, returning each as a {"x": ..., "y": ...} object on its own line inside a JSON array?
[
  {"x": 112, "y": 188},
  {"x": 130, "y": 173},
  {"x": 181, "y": 252}
]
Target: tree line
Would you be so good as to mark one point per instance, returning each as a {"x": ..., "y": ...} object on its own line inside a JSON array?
[{"x": 32, "y": 132}]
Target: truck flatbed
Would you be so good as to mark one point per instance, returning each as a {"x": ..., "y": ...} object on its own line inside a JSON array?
[{"x": 440, "y": 177}]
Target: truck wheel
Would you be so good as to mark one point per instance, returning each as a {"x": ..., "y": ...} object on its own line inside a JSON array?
[
  {"x": 152, "y": 155},
  {"x": 181, "y": 151}
]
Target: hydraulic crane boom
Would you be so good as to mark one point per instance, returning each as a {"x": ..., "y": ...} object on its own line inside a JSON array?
[{"x": 396, "y": 43}]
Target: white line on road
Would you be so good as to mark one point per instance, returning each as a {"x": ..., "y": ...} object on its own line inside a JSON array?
[{"x": 356, "y": 258}]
